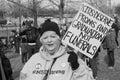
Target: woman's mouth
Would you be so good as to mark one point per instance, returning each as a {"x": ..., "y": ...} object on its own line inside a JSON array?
[{"x": 50, "y": 44}]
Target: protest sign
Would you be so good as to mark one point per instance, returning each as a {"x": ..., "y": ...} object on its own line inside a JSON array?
[{"x": 87, "y": 30}]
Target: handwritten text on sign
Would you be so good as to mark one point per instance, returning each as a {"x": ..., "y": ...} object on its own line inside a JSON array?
[{"x": 87, "y": 30}]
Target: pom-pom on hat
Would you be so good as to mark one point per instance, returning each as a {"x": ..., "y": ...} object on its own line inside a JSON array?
[{"x": 50, "y": 26}]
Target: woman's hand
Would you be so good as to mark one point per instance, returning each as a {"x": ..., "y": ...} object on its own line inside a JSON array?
[{"x": 73, "y": 60}]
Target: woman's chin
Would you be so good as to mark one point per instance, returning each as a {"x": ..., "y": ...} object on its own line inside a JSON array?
[{"x": 51, "y": 50}]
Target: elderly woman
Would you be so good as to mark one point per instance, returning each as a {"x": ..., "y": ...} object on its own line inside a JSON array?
[{"x": 53, "y": 62}]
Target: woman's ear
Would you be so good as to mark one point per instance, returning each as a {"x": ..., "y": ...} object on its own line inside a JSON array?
[{"x": 40, "y": 39}]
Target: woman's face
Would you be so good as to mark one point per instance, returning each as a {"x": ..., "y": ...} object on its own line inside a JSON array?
[{"x": 50, "y": 41}]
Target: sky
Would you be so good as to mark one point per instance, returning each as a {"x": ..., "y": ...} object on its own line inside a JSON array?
[{"x": 115, "y": 2}]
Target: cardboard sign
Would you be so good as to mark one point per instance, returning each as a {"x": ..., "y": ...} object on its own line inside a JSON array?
[{"x": 87, "y": 30}]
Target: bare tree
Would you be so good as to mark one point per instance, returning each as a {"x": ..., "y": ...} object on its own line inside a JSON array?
[
  {"x": 117, "y": 10},
  {"x": 60, "y": 4},
  {"x": 35, "y": 6},
  {"x": 33, "y": 9},
  {"x": 101, "y": 5}
]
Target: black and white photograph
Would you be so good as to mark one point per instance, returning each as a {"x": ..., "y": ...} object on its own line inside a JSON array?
[{"x": 59, "y": 40}]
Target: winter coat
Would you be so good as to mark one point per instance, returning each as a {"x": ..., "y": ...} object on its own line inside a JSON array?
[
  {"x": 39, "y": 63},
  {"x": 6, "y": 67},
  {"x": 109, "y": 41}
]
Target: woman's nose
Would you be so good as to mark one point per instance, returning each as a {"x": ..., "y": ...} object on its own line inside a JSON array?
[{"x": 49, "y": 39}]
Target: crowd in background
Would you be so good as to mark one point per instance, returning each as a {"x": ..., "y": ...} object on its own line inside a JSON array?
[{"x": 32, "y": 40}]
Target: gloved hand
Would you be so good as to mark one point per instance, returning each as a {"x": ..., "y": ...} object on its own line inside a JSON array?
[{"x": 73, "y": 60}]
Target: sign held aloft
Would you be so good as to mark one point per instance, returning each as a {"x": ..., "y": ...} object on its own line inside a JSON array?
[{"x": 87, "y": 30}]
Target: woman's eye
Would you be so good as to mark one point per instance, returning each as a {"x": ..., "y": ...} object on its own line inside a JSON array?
[
  {"x": 45, "y": 38},
  {"x": 53, "y": 36}
]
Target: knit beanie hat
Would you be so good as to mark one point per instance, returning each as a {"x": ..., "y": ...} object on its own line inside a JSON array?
[{"x": 50, "y": 26}]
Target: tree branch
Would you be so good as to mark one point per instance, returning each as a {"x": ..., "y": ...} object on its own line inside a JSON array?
[
  {"x": 19, "y": 5},
  {"x": 44, "y": 7},
  {"x": 39, "y": 2},
  {"x": 53, "y": 2}
]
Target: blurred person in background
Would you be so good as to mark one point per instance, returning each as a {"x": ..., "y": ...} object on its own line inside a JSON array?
[
  {"x": 16, "y": 40},
  {"x": 5, "y": 65},
  {"x": 93, "y": 63},
  {"x": 110, "y": 45},
  {"x": 24, "y": 50},
  {"x": 116, "y": 27},
  {"x": 31, "y": 35}
]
